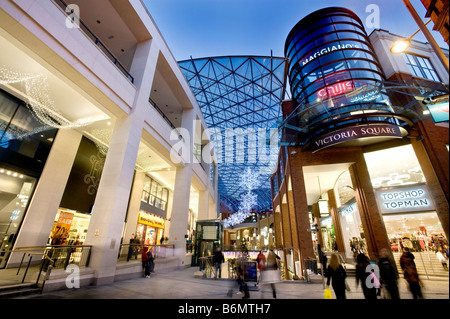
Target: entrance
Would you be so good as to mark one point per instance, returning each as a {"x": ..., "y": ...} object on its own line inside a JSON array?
[{"x": 423, "y": 234}]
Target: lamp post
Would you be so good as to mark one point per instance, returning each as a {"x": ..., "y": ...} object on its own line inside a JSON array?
[{"x": 401, "y": 46}]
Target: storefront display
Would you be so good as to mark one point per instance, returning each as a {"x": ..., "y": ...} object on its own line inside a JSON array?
[
  {"x": 150, "y": 228},
  {"x": 328, "y": 235},
  {"x": 69, "y": 228},
  {"x": 352, "y": 230},
  {"x": 405, "y": 203}
]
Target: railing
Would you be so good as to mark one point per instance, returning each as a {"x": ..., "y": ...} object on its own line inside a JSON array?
[
  {"x": 129, "y": 252},
  {"x": 91, "y": 35},
  {"x": 50, "y": 257},
  {"x": 165, "y": 118},
  {"x": 61, "y": 255},
  {"x": 207, "y": 267}
]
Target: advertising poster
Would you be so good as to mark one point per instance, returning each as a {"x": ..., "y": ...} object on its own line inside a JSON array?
[{"x": 62, "y": 228}]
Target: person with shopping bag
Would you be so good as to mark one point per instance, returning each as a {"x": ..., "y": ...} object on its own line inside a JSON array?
[{"x": 336, "y": 275}]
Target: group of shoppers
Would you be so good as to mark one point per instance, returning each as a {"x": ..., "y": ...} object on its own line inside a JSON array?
[{"x": 375, "y": 277}]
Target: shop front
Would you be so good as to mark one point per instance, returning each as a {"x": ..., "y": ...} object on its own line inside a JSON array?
[
  {"x": 69, "y": 228},
  {"x": 150, "y": 228},
  {"x": 24, "y": 147}
]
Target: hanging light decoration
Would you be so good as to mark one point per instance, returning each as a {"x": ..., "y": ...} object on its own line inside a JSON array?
[
  {"x": 38, "y": 99},
  {"x": 249, "y": 181}
]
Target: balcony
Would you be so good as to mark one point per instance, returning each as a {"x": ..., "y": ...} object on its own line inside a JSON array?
[{"x": 124, "y": 62}]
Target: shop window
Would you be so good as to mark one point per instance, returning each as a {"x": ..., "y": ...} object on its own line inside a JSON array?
[
  {"x": 403, "y": 168},
  {"x": 69, "y": 228},
  {"x": 21, "y": 132},
  {"x": 15, "y": 194},
  {"x": 155, "y": 194},
  {"x": 421, "y": 67}
]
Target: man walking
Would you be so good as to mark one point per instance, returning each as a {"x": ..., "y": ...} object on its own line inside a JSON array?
[{"x": 218, "y": 259}]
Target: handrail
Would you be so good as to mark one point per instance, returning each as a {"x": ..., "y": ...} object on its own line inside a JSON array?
[
  {"x": 165, "y": 118},
  {"x": 63, "y": 5}
]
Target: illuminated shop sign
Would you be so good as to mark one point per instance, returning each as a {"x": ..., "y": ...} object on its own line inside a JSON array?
[
  {"x": 439, "y": 112},
  {"x": 366, "y": 97},
  {"x": 348, "y": 209},
  {"x": 151, "y": 220},
  {"x": 329, "y": 49},
  {"x": 336, "y": 89},
  {"x": 351, "y": 133},
  {"x": 404, "y": 199}
]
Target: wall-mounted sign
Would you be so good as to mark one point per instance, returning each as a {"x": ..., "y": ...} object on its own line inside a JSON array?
[
  {"x": 352, "y": 133},
  {"x": 404, "y": 199},
  {"x": 439, "y": 111},
  {"x": 327, "y": 50},
  {"x": 323, "y": 208},
  {"x": 151, "y": 220},
  {"x": 348, "y": 209},
  {"x": 336, "y": 89}
]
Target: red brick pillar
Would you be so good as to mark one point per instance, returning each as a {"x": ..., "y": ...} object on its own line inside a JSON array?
[{"x": 371, "y": 218}]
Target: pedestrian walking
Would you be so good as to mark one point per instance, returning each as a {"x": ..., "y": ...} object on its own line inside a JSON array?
[
  {"x": 243, "y": 288},
  {"x": 145, "y": 262},
  {"x": 261, "y": 263},
  {"x": 271, "y": 275},
  {"x": 388, "y": 276},
  {"x": 410, "y": 273},
  {"x": 151, "y": 260},
  {"x": 218, "y": 259},
  {"x": 364, "y": 274},
  {"x": 336, "y": 275},
  {"x": 442, "y": 258}
]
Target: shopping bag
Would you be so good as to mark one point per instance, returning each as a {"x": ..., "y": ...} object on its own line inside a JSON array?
[
  {"x": 327, "y": 294},
  {"x": 347, "y": 287}
]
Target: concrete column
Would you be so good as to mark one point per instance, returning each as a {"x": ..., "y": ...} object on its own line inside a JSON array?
[
  {"x": 182, "y": 192},
  {"x": 106, "y": 225},
  {"x": 134, "y": 206},
  {"x": 38, "y": 221},
  {"x": 203, "y": 205}
]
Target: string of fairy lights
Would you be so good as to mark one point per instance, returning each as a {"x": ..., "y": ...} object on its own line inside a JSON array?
[
  {"x": 248, "y": 181},
  {"x": 39, "y": 102}
]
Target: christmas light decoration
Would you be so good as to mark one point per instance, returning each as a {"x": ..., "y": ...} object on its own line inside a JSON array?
[
  {"x": 39, "y": 101},
  {"x": 249, "y": 181}
]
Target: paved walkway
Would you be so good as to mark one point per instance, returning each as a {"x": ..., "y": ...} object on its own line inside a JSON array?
[{"x": 183, "y": 285}]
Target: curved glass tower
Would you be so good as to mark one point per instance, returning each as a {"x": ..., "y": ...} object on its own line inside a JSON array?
[{"x": 334, "y": 74}]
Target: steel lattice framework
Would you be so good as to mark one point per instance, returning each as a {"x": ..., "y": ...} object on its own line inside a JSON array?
[{"x": 240, "y": 97}]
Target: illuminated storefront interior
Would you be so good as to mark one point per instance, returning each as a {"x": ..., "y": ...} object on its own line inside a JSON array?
[{"x": 404, "y": 200}]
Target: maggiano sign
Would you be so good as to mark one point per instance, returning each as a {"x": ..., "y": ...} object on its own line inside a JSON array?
[{"x": 352, "y": 133}]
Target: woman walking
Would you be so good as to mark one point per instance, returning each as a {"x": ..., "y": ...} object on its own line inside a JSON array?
[{"x": 336, "y": 274}]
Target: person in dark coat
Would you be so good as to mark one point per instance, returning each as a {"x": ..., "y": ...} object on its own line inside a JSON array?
[
  {"x": 336, "y": 274},
  {"x": 388, "y": 275},
  {"x": 218, "y": 259},
  {"x": 410, "y": 273},
  {"x": 363, "y": 275},
  {"x": 146, "y": 262}
]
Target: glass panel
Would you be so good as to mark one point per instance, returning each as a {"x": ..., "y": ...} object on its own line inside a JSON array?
[
  {"x": 154, "y": 188},
  {"x": 16, "y": 190},
  {"x": 403, "y": 168}
]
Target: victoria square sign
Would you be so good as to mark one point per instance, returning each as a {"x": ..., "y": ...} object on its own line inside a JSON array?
[{"x": 355, "y": 132}]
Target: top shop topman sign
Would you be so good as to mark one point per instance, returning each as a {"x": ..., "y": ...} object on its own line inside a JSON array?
[{"x": 404, "y": 199}]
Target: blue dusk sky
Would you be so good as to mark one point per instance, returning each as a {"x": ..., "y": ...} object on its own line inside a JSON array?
[{"x": 203, "y": 28}]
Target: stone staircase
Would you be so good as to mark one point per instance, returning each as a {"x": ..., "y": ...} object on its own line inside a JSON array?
[
  {"x": 18, "y": 290},
  {"x": 427, "y": 264}
]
